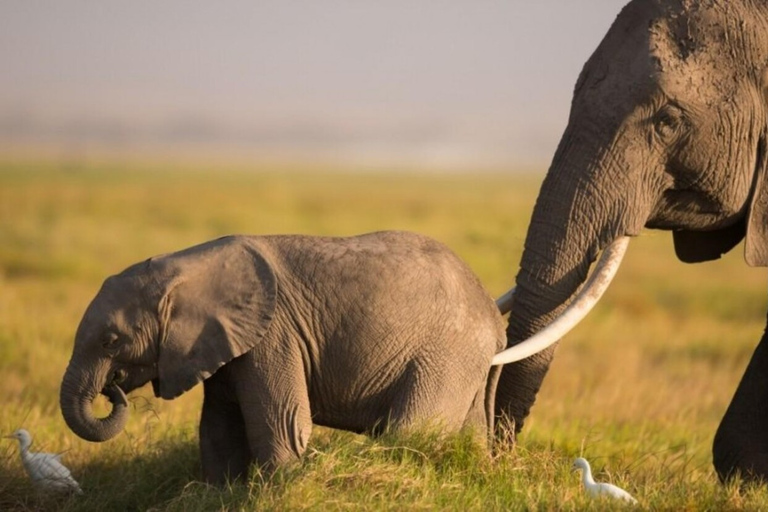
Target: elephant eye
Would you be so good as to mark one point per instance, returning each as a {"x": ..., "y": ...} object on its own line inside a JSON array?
[
  {"x": 110, "y": 340},
  {"x": 668, "y": 123}
]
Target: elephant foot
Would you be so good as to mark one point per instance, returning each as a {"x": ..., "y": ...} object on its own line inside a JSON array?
[
  {"x": 739, "y": 457},
  {"x": 741, "y": 442}
]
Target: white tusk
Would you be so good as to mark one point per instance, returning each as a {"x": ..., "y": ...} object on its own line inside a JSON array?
[
  {"x": 585, "y": 300},
  {"x": 504, "y": 303}
]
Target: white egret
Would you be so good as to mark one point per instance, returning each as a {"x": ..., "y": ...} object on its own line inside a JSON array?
[
  {"x": 599, "y": 489},
  {"x": 45, "y": 469}
]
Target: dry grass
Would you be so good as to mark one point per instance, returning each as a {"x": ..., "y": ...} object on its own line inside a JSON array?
[{"x": 638, "y": 389}]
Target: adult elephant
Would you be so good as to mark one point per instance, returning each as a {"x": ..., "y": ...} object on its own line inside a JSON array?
[
  {"x": 360, "y": 333},
  {"x": 667, "y": 130}
]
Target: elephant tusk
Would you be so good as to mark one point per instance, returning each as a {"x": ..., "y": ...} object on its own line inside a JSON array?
[
  {"x": 585, "y": 300},
  {"x": 115, "y": 395},
  {"x": 504, "y": 303}
]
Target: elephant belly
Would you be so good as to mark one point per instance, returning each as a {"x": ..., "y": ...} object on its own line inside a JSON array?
[
  {"x": 356, "y": 403},
  {"x": 400, "y": 393}
]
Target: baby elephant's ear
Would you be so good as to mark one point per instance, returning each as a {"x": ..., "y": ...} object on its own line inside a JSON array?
[{"x": 218, "y": 303}]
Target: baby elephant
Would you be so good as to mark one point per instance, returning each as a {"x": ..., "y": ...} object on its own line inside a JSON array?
[{"x": 381, "y": 330}]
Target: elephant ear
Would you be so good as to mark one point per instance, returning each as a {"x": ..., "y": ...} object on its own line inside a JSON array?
[
  {"x": 218, "y": 302},
  {"x": 697, "y": 246},
  {"x": 756, "y": 246}
]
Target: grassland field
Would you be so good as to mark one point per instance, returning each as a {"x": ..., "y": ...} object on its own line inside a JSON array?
[{"x": 638, "y": 388}]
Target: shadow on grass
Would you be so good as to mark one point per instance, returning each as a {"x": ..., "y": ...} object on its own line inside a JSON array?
[{"x": 127, "y": 480}]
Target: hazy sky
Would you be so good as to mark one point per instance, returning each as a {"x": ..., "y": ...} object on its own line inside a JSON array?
[{"x": 432, "y": 80}]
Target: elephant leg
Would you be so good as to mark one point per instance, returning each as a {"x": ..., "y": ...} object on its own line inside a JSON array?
[
  {"x": 741, "y": 442},
  {"x": 223, "y": 443},
  {"x": 274, "y": 401},
  {"x": 518, "y": 386}
]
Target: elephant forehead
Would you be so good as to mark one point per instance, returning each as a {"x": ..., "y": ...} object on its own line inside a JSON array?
[
  {"x": 118, "y": 301},
  {"x": 119, "y": 292},
  {"x": 700, "y": 82},
  {"x": 701, "y": 49}
]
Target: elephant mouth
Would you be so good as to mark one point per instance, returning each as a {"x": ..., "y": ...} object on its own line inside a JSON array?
[
  {"x": 131, "y": 379},
  {"x": 118, "y": 377},
  {"x": 113, "y": 391}
]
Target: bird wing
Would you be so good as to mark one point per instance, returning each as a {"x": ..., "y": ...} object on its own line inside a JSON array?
[
  {"x": 616, "y": 492},
  {"x": 47, "y": 470}
]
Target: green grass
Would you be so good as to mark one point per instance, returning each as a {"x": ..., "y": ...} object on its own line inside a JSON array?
[{"x": 638, "y": 388}]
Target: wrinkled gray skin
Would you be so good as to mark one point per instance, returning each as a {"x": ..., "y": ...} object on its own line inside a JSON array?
[
  {"x": 667, "y": 130},
  {"x": 386, "y": 329}
]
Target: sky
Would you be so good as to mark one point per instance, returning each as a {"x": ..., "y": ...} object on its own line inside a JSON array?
[{"x": 433, "y": 82}]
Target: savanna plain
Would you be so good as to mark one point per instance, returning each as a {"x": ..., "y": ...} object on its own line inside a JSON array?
[{"x": 638, "y": 388}]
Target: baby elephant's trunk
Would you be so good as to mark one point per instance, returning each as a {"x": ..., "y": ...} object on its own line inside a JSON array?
[{"x": 76, "y": 400}]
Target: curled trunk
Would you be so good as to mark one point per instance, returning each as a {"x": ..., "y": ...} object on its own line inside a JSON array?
[{"x": 76, "y": 400}]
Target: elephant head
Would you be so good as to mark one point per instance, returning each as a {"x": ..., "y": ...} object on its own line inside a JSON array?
[
  {"x": 172, "y": 320},
  {"x": 667, "y": 130}
]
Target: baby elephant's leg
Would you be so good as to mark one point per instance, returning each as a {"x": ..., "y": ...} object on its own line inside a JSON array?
[
  {"x": 223, "y": 443},
  {"x": 274, "y": 401}
]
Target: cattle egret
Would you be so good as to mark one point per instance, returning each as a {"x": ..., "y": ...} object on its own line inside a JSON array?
[
  {"x": 595, "y": 489},
  {"x": 45, "y": 469}
]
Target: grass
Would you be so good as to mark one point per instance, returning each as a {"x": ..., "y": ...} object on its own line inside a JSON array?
[{"x": 638, "y": 388}]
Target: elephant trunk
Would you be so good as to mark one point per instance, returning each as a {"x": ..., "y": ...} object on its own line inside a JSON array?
[
  {"x": 578, "y": 213},
  {"x": 76, "y": 400},
  {"x": 577, "y": 309},
  {"x": 538, "y": 300}
]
